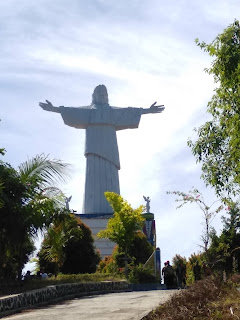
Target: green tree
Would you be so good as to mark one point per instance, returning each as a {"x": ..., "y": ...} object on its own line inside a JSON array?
[
  {"x": 178, "y": 260},
  {"x": 218, "y": 144},
  {"x": 68, "y": 247},
  {"x": 194, "y": 196},
  {"x": 81, "y": 255},
  {"x": 126, "y": 222},
  {"x": 224, "y": 251},
  {"x": 30, "y": 203},
  {"x": 193, "y": 259},
  {"x": 51, "y": 255},
  {"x": 15, "y": 245},
  {"x": 139, "y": 251}
]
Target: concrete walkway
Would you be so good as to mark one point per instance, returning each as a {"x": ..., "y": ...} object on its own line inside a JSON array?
[{"x": 116, "y": 306}]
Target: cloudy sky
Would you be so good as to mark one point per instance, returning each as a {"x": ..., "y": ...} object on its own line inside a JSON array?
[{"x": 143, "y": 51}]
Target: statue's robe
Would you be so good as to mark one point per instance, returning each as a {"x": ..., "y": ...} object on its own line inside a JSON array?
[{"x": 101, "y": 149}]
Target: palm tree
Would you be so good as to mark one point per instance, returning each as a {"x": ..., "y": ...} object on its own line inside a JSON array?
[
  {"x": 31, "y": 200},
  {"x": 44, "y": 171},
  {"x": 68, "y": 246},
  {"x": 56, "y": 239},
  {"x": 41, "y": 176},
  {"x": 52, "y": 247}
]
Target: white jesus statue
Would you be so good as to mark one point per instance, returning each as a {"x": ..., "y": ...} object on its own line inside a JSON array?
[{"x": 101, "y": 122}]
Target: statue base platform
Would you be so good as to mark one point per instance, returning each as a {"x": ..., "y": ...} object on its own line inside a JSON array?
[{"x": 97, "y": 222}]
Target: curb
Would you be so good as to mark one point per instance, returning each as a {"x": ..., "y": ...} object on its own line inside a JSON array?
[{"x": 41, "y": 297}]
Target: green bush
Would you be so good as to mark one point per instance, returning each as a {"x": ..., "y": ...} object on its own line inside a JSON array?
[
  {"x": 15, "y": 287},
  {"x": 93, "y": 277},
  {"x": 141, "y": 274},
  {"x": 68, "y": 247},
  {"x": 108, "y": 265}
]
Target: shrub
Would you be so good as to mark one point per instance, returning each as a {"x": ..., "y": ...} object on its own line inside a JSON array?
[
  {"x": 15, "y": 287},
  {"x": 68, "y": 247},
  {"x": 141, "y": 274},
  {"x": 107, "y": 265}
]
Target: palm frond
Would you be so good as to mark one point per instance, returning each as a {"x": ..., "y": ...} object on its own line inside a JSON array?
[
  {"x": 56, "y": 195},
  {"x": 45, "y": 171}
]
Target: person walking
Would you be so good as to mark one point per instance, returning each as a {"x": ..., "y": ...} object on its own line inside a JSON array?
[{"x": 169, "y": 276}]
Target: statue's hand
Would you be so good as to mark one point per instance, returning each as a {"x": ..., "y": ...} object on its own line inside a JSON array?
[
  {"x": 49, "y": 107},
  {"x": 46, "y": 106},
  {"x": 156, "y": 109}
]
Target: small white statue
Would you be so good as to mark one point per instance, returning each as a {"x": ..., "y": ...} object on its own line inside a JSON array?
[
  {"x": 67, "y": 200},
  {"x": 147, "y": 199}
]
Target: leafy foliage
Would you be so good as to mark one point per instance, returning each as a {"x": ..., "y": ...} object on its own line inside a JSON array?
[
  {"x": 108, "y": 265},
  {"x": 139, "y": 251},
  {"x": 80, "y": 253},
  {"x": 224, "y": 252},
  {"x": 26, "y": 207},
  {"x": 43, "y": 171},
  {"x": 68, "y": 248},
  {"x": 141, "y": 274},
  {"x": 12, "y": 287},
  {"x": 14, "y": 224},
  {"x": 218, "y": 143},
  {"x": 178, "y": 260},
  {"x": 126, "y": 222},
  {"x": 122, "y": 228}
]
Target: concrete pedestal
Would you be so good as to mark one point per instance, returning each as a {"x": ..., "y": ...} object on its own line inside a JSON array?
[
  {"x": 98, "y": 222},
  {"x": 149, "y": 228}
]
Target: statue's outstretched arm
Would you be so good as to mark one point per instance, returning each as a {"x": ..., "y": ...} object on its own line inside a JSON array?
[
  {"x": 49, "y": 107},
  {"x": 153, "y": 109}
]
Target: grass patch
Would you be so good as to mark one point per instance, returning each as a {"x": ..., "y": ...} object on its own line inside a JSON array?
[
  {"x": 206, "y": 299},
  {"x": 14, "y": 287}
]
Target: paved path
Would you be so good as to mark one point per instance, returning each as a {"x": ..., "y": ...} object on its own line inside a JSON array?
[{"x": 115, "y": 306}]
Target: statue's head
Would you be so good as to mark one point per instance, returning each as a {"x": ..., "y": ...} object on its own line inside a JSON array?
[{"x": 100, "y": 95}]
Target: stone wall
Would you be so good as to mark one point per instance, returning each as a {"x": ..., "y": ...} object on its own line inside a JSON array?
[{"x": 56, "y": 293}]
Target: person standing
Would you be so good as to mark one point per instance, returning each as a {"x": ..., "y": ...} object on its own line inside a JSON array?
[
  {"x": 181, "y": 275},
  {"x": 28, "y": 275},
  {"x": 163, "y": 272},
  {"x": 197, "y": 271},
  {"x": 169, "y": 276},
  {"x": 44, "y": 275}
]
